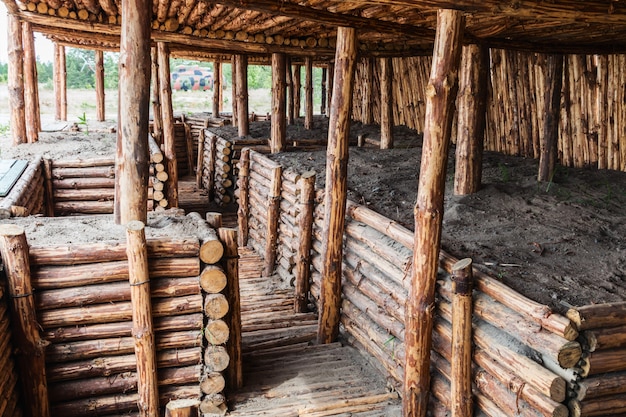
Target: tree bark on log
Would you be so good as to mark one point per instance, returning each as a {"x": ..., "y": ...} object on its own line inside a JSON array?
[
  {"x": 16, "y": 80},
  {"x": 323, "y": 90},
  {"x": 308, "y": 93},
  {"x": 440, "y": 100},
  {"x": 278, "y": 136},
  {"x": 290, "y": 97},
  {"x": 336, "y": 185},
  {"x": 595, "y": 316},
  {"x": 132, "y": 157},
  {"x": 60, "y": 83},
  {"x": 305, "y": 235},
  {"x": 233, "y": 91},
  {"x": 217, "y": 88},
  {"x": 471, "y": 119},
  {"x": 31, "y": 90},
  {"x": 157, "y": 115},
  {"x": 233, "y": 319},
  {"x": 211, "y": 249},
  {"x": 386, "y": 103},
  {"x": 100, "y": 106},
  {"x": 143, "y": 329},
  {"x": 30, "y": 346},
  {"x": 461, "y": 358},
  {"x": 243, "y": 124},
  {"x": 297, "y": 88},
  {"x": 167, "y": 114},
  {"x": 368, "y": 92},
  {"x": 243, "y": 212},
  {"x": 273, "y": 213},
  {"x": 552, "y": 66}
]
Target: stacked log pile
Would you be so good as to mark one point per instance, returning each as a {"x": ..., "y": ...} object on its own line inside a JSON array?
[
  {"x": 27, "y": 197},
  {"x": 83, "y": 186},
  {"x": 9, "y": 401},
  {"x": 601, "y": 383},
  {"x": 185, "y": 156},
  {"x": 158, "y": 178}
]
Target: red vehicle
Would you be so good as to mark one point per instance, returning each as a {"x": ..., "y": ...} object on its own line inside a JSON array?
[{"x": 186, "y": 77}]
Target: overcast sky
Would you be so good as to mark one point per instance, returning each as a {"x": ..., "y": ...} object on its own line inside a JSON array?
[{"x": 43, "y": 47}]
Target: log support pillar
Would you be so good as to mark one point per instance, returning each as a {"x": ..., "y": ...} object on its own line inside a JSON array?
[
  {"x": 278, "y": 136},
  {"x": 133, "y": 156},
  {"x": 323, "y": 90},
  {"x": 386, "y": 103},
  {"x": 30, "y": 347},
  {"x": 100, "y": 114},
  {"x": 217, "y": 88},
  {"x": 308, "y": 93},
  {"x": 306, "y": 184},
  {"x": 368, "y": 93},
  {"x": 297, "y": 88},
  {"x": 329, "y": 83},
  {"x": 31, "y": 90},
  {"x": 233, "y": 89},
  {"x": 290, "y": 98},
  {"x": 243, "y": 212},
  {"x": 552, "y": 66},
  {"x": 16, "y": 80},
  {"x": 472, "y": 109},
  {"x": 243, "y": 124},
  {"x": 335, "y": 195},
  {"x": 273, "y": 216},
  {"x": 60, "y": 83},
  {"x": 157, "y": 121},
  {"x": 167, "y": 116},
  {"x": 440, "y": 100}
]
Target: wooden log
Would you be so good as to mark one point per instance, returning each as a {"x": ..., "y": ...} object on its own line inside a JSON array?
[
  {"x": 278, "y": 134},
  {"x": 95, "y": 172},
  {"x": 216, "y": 358},
  {"x": 87, "y": 194},
  {"x": 386, "y": 103},
  {"x": 601, "y": 361},
  {"x": 217, "y": 88},
  {"x": 471, "y": 119},
  {"x": 308, "y": 93},
  {"x": 297, "y": 87},
  {"x": 597, "y": 387},
  {"x": 169, "y": 141},
  {"x": 290, "y": 93},
  {"x": 82, "y": 183},
  {"x": 211, "y": 249},
  {"x": 156, "y": 156},
  {"x": 215, "y": 306},
  {"x": 189, "y": 150},
  {"x": 30, "y": 346},
  {"x": 305, "y": 232},
  {"x": 609, "y": 338},
  {"x": 612, "y": 405},
  {"x": 552, "y": 66},
  {"x": 241, "y": 89},
  {"x": 31, "y": 90},
  {"x": 48, "y": 191},
  {"x": 273, "y": 214},
  {"x": 157, "y": 130},
  {"x": 60, "y": 83},
  {"x": 335, "y": 194},
  {"x": 200, "y": 162},
  {"x": 16, "y": 80},
  {"x": 213, "y": 279},
  {"x": 232, "y": 291},
  {"x": 212, "y": 383},
  {"x": 100, "y": 109},
  {"x": 461, "y": 379},
  {"x": 243, "y": 183},
  {"x": 598, "y": 315},
  {"x": 182, "y": 408},
  {"x": 216, "y": 332},
  {"x": 23, "y": 187},
  {"x": 440, "y": 98},
  {"x": 132, "y": 157}
]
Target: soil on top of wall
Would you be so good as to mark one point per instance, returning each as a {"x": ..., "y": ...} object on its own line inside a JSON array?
[{"x": 561, "y": 243}]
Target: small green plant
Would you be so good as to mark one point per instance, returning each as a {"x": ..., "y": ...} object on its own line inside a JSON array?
[
  {"x": 82, "y": 120},
  {"x": 505, "y": 173},
  {"x": 4, "y": 129}
]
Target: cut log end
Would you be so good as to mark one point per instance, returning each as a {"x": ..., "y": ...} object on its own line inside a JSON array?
[
  {"x": 569, "y": 354},
  {"x": 211, "y": 251},
  {"x": 10, "y": 230},
  {"x": 135, "y": 225}
]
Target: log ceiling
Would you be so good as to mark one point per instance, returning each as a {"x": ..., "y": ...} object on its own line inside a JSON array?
[{"x": 197, "y": 28}]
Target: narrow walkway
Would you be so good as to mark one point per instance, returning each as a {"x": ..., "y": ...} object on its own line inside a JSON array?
[{"x": 285, "y": 374}]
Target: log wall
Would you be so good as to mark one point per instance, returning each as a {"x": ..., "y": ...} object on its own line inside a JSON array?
[
  {"x": 27, "y": 195},
  {"x": 592, "y": 119},
  {"x": 9, "y": 386}
]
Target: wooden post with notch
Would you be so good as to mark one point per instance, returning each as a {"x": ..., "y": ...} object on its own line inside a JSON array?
[
  {"x": 335, "y": 195},
  {"x": 308, "y": 93},
  {"x": 278, "y": 137},
  {"x": 100, "y": 103},
  {"x": 17, "y": 105},
  {"x": 243, "y": 124},
  {"x": 461, "y": 376},
  {"x": 30, "y": 350},
  {"x": 440, "y": 100},
  {"x": 471, "y": 114},
  {"x": 386, "y": 103}
]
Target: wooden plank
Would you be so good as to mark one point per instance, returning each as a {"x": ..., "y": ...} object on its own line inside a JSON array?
[{"x": 10, "y": 177}]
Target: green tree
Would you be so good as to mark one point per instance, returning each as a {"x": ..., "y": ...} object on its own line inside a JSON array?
[
  {"x": 44, "y": 72},
  {"x": 80, "y": 67},
  {"x": 111, "y": 69}
]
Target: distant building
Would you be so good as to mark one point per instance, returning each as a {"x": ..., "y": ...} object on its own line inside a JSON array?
[{"x": 187, "y": 77}]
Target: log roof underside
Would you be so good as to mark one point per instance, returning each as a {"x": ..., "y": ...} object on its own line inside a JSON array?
[{"x": 202, "y": 29}]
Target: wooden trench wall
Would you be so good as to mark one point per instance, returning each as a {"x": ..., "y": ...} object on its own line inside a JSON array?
[
  {"x": 10, "y": 397},
  {"x": 592, "y": 122},
  {"x": 526, "y": 361},
  {"x": 82, "y": 303}
]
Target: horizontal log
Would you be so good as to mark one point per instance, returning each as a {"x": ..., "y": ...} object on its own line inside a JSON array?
[
  {"x": 83, "y": 183},
  {"x": 213, "y": 279},
  {"x": 66, "y": 208},
  {"x": 601, "y": 361},
  {"x": 211, "y": 248},
  {"x": 88, "y": 172},
  {"x": 608, "y": 338},
  {"x": 85, "y": 194},
  {"x": 162, "y": 247},
  {"x": 258, "y": 158},
  {"x": 216, "y": 358},
  {"x": 598, "y": 315},
  {"x": 84, "y": 163},
  {"x": 212, "y": 383},
  {"x": 54, "y": 277},
  {"x": 216, "y": 332},
  {"x": 599, "y": 386},
  {"x": 611, "y": 405}
]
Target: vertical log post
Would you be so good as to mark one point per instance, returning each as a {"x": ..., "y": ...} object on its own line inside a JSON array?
[
  {"x": 290, "y": 98},
  {"x": 143, "y": 330},
  {"x": 234, "y": 374},
  {"x": 185, "y": 407},
  {"x": 297, "y": 88},
  {"x": 278, "y": 137},
  {"x": 243, "y": 124},
  {"x": 336, "y": 185},
  {"x": 200, "y": 160},
  {"x": 60, "y": 83},
  {"x": 331, "y": 74},
  {"x": 323, "y": 90},
  {"x": 100, "y": 106},
  {"x": 133, "y": 156},
  {"x": 16, "y": 80},
  {"x": 308, "y": 93},
  {"x": 386, "y": 103},
  {"x": 30, "y": 347},
  {"x": 212, "y": 171},
  {"x": 217, "y": 88},
  {"x": 273, "y": 214},
  {"x": 471, "y": 117},
  {"x": 233, "y": 90},
  {"x": 552, "y": 66},
  {"x": 305, "y": 234},
  {"x": 48, "y": 189},
  {"x": 243, "y": 212},
  {"x": 214, "y": 219},
  {"x": 167, "y": 114},
  {"x": 440, "y": 100},
  {"x": 31, "y": 90},
  {"x": 157, "y": 118},
  {"x": 461, "y": 376},
  {"x": 368, "y": 93}
]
